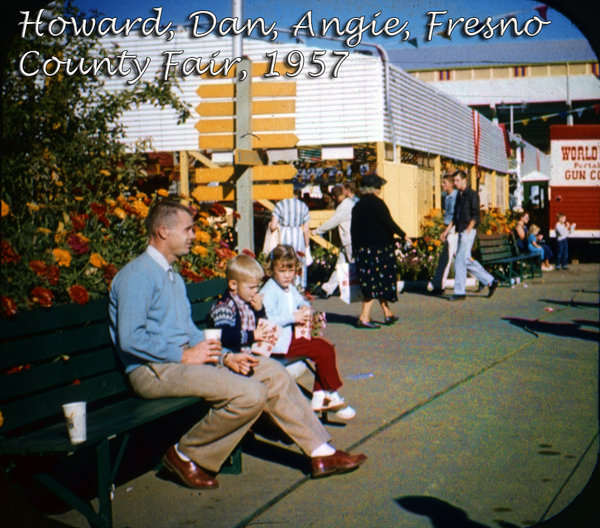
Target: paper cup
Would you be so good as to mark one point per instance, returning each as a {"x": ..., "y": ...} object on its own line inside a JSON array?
[
  {"x": 212, "y": 333},
  {"x": 76, "y": 423}
]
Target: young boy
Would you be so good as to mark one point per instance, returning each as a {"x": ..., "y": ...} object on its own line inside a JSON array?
[
  {"x": 240, "y": 308},
  {"x": 563, "y": 230}
]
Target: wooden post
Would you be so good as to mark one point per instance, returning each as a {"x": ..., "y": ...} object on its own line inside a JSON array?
[
  {"x": 184, "y": 174},
  {"x": 437, "y": 181},
  {"x": 243, "y": 141}
]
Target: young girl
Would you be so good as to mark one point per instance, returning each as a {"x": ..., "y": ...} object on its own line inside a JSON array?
[
  {"x": 537, "y": 246},
  {"x": 563, "y": 230},
  {"x": 286, "y": 307}
]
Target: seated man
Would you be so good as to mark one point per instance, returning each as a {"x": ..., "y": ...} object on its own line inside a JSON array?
[{"x": 165, "y": 355}]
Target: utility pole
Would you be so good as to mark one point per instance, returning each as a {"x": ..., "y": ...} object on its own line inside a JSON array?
[{"x": 243, "y": 140}]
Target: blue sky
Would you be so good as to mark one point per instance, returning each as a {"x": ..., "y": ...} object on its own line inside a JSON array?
[{"x": 287, "y": 13}]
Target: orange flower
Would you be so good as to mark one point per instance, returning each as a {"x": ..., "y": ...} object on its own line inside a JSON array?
[
  {"x": 79, "y": 294},
  {"x": 62, "y": 257},
  {"x": 5, "y": 209},
  {"x": 97, "y": 261},
  {"x": 119, "y": 213},
  {"x": 203, "y": 236},
  {"x": 44, "y": 230},
  {"x": 140, "y": 208},
  {"x": 201, "y": 251},
  {"x": 163, "y": 192}
]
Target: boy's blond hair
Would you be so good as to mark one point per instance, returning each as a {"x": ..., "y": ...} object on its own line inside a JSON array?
[
  {"x": 534, "y": 229},
  {"x": 244, "y": 268}
]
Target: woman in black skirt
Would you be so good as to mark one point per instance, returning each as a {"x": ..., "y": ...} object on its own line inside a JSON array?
[{"x": 373, "y": 246}]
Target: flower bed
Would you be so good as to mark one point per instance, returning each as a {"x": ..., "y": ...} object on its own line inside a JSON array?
[{"x": 52, "y": 255}]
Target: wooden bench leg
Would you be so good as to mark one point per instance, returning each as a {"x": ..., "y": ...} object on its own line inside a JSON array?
[
  {"x": 102, "y": 518},
  {"x": 233, "y": 465}
]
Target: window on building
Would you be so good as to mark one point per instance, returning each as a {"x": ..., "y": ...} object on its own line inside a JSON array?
[
  {"x": 520, "y": 71},
  {"x": 444, "y": 75}
]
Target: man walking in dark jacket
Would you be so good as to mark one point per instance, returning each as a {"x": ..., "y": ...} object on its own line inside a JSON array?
[{"x": 465, "y": 220}]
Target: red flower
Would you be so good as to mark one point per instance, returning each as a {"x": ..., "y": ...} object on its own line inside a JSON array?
[
  {"x": 79, "y": 294},
  {"x": 52, "y": 275},
  {"x": 8, "y": 307},
  {"x": 248, "y": 253},
  {"x": 39, "y": 267},
  {"x": 191, "y": 275},
  {"x": 79, "y": 220},
  {"x": 103, "y": 220},
  {"x": 42, "y": 296},
  {"x": 207, "y": 272},
  {"x": 217, "y": 209},
  {"x": 109, "y": 271},
  {"x": 8, "y": 255},
  {"x": 78, "y": 244},
  {"x": 99, "y": 209}
]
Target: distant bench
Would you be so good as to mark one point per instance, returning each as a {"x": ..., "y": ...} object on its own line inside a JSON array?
[
  {"x": 51, "y": 357},
  {"x": 501, "y": 255}
]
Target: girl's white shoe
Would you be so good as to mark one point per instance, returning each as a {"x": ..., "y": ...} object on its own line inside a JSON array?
[{"x": 347, "y": 413}]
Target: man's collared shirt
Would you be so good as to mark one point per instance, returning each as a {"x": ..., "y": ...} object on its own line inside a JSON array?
[
  {"x": 161, "y": 261},
  {"x": 449, "y": 203}
]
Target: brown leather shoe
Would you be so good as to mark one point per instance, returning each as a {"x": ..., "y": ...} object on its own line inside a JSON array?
[
  {"x": 339, "y": 462},
  {"x": 188, "y": 472}
]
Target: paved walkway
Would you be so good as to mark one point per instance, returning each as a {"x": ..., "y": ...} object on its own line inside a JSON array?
[{"x": 474, "y": 414}]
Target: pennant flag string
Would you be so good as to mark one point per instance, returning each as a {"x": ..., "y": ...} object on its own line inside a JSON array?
[{"x": 562, "y": 115}]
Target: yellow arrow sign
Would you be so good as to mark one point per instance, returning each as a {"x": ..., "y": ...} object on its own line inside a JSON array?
[
  {"x": 259, "y": 173},
  {"x": 264, "y": 141}
]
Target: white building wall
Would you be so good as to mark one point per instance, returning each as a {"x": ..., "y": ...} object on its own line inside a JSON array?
[{"x": 329, "y": 111}]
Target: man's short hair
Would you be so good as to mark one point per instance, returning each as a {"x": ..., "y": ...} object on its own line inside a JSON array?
[
  {"x": 350, "y": 186},
  {"x": 337, "y": 191},
  {"x": 164, "y": 213},
  {"x": 461, "y": 173},
  {"x": 449, "y": 176},
  {"x": 244, "y": 268}
]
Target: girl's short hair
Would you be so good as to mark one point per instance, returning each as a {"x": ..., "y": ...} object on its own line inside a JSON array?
[
  {"x": 244, "y": 267},
  {"x": 282, "y": 254},
  {"x": 534, "y": 229}
]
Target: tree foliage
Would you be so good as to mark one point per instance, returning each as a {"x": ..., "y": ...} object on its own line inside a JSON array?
[{"x": 65, "y": 166}]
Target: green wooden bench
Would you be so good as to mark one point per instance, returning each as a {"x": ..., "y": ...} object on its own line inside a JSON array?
[
  {"x": 51, "y": 357},
  {"x": 500, "y": 254}
]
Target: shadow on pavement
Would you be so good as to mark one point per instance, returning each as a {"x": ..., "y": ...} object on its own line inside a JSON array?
[
  {"x": 441, "y": 513},
  {"x": 274, "y": 453},
  {"x": 572, "y": 303},
  {"x": 341, "y": 318},
  {"x": 534, "y": 326}
]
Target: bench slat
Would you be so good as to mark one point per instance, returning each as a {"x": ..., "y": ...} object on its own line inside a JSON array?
[
  {"x": 38, "y": 407},
  {"x": 49, "y": 346},
  {"x": 43, "y": 320},
  {"x": 206, "y": 290},
  {"x": 125, "y": 415},
  {"x": 58, "y": 373}
]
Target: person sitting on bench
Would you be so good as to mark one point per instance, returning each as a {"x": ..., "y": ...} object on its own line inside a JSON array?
[{"x": 166, "y": 355}]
